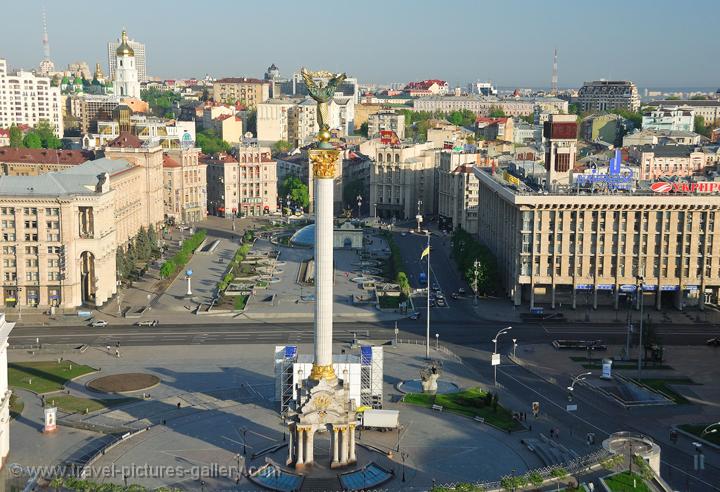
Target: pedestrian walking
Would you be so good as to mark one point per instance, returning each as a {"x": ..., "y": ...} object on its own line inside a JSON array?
[
  {"x": 117, "y": 353},
  {"x": 108, "y": 349}
]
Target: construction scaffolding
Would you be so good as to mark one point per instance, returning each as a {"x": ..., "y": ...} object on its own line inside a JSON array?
[
  {"x": 285, "y": 359},
  {"x": 371, "y": 376}
]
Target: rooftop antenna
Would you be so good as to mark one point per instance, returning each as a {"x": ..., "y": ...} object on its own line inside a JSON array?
[
  {"x": 554, "y": 89},
  {"x": 45, "y": 40}
]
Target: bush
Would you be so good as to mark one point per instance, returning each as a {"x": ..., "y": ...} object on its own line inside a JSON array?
[
  {"x": 466, "y": 250},
  {"x": 404, "y": 284},
  {"x": 183, "y": 256}
]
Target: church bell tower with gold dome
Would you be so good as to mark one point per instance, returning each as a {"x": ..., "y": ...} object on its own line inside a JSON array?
[{"x": 126, "y": 83}]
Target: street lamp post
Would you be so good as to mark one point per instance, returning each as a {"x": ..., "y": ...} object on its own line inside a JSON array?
[
  {"x": 359, "y": 202},
  {"x": 577, "y": 379},
  {"x": 403, "y": 455},
  {"x": 244, "y": 431},
  {"x": 427, "y": 320},
  {"x": 710, "y": 429},
  {"x": 418, "y": 217},
  {"x": 437, "y": 341},
  {"x": 640, "y": 284},
  {"x": 476, "y": 273},
  {"x": 495, "y": 341},
  {"x": 514, "y": 346}
]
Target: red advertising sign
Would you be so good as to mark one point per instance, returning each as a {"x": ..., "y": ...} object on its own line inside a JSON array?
[{"x": 694, "y": 187}]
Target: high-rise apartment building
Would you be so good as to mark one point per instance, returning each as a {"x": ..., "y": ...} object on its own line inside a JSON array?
[
  {"x": 249, "y": 92},
  {"x": 140, "y": 61},
  {"x": 606, "y": 95},
  {"x": 26, "y": 99}
]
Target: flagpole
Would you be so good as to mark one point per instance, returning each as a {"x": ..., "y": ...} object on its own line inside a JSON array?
[{"x": 427, "y": 321}]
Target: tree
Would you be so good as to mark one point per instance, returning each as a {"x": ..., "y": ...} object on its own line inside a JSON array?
[
  {"x": 351, "y": 190},
  {"x": 699, "y": 98},
  {"x": 529, "y": 118},
  {"x": 152, "y": 237},
  {"x": 700, "y": 126},
  {"x": 205, "y": 95},
  {"x": 210, "y": 142},
  {"x": 635, "y": 117},
  {"x": 496, "y": 112},
  {"x": 251, "y": 122},
  {"x": 281, "y": 147},
  {"x": 297, "y": 190},
  {"x": 143, "y": 246},
  {"x": 672, "y": 98},
  {"x": 47, "y": 135},
  {"x": 364, "y": 129},
  {"x": 16, "y": 136},
  {"x": 32, "y": 141},
  {"x": 573, "y": 108}
]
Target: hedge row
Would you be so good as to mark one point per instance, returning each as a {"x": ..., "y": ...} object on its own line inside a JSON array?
[
  {"x": 180, "y": 258},
  {"x": 239, "y": 256}
]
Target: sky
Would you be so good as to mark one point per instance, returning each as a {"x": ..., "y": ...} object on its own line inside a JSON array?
[{"x": 655, "y": 43}]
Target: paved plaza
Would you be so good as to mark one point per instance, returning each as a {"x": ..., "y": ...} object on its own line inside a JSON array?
[{"x": 225, "y": 390}]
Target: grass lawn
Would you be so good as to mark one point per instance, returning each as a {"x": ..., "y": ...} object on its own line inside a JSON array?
[
  {"x": 623, "y": 482},
  {"x": 16, "y": 406},
  {"x": 45, "y": 376},
  {"x": 695, "y": 429},
  {"x": 74, "y": 404},
  {"x": 240, "y": 302},
  {"x": 663, "y": 386},
  {"x": 389, "y": 302},
  {"x": 470, "y": 402}
]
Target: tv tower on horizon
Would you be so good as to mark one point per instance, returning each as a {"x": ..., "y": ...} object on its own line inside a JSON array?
[
  {"x": 46, "y": 65},
  {"x": 554, "y": 88}
]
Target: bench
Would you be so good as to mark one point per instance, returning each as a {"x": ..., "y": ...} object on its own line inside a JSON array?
[
  {"x": 479, "y": 419},
  {"x": 439, "y": 408}
]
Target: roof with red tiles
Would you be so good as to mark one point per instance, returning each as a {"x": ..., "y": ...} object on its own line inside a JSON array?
[
  {"x": 45, "y": 156},
  {"x": 169, "y": 161},
  {"x": 126, "y": 140}
]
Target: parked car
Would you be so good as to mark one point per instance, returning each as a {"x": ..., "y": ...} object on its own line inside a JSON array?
[
  {"x": 441, "y": 302},
  {"x": 439, "y": 294},
  {"x": 713, "y": 342},
  {"x": 147, "y": 322},
  {"x": 415, "y": 315},
  {"x": 461, "y": 290},
  {"x": 455, "y": 295},
  {"x": 183, "y": 227},
  {"x": 403, "y": 234},
  {"x": 99, "y": 323}
]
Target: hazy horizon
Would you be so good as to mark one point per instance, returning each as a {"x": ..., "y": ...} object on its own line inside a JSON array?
[{"x": 462, "y": 40}]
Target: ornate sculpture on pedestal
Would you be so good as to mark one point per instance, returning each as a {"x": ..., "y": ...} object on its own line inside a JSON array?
[{"x": 429, "y": 376}]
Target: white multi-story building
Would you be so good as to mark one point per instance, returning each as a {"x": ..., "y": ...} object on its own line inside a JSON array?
[
  {"x": 272, "y": 120},
  {"x": 26, "y": 100},
  {"x": 138, "y": 49},
  {"x": 484, "y": 105},
  {"x": 673, "y": 119},
  {"x": 126, "y": 82},
  {"x": 386, "y": 120},
  {"x": 606, "y": 95}
]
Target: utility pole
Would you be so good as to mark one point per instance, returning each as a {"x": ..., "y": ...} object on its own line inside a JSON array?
[
  {"x": 641, "y": 349},
  {"x": 476, "y": 273},
  {"x": 427, "y": 320}
]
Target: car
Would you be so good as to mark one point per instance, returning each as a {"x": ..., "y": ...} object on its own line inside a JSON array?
[
  {"x": 461, "y": 290},
  {"x": 432, "y": 302},
  {"x": 439, "y": 294},
  {"x": 183, "y": 227},
  {"x": 441, "y": 302},
  {"x": 415, "y": 315},
  {"x": 455, "y": 295},
  {"x": 436, "y": 286},
  {"x": 147, "y": 322},
  {"x": 713, "y": 342},
  {"x": 403, "y": 234},
  {"x": 99, "y": 323}
]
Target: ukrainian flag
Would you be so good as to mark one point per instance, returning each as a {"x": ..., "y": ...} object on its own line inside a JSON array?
[{"x": 425, "y": 252}]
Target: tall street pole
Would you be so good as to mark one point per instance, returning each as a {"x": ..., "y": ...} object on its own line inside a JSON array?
[
  {"x": 427, "y": 320},
  {"x": 640, "y": 343}
]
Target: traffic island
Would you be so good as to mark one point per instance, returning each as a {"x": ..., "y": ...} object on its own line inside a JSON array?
[{"x": 124, "y": 383}]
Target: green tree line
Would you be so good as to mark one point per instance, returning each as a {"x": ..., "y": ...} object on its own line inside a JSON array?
[
  {"x": 40, "y": 137},
  {"x": 179, "y": 259},
  {"x": 466, "y": 251},
  {"x": 140, "y": 249}
]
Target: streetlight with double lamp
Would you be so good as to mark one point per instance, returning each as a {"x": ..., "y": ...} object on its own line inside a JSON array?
[
  {"x": 710, "y": 429},
  {"x": 577, "y": 379},
  {"x": 640, "y": 284},
  {"x": 495, "y": 361},
  {"x": 514, "y": 346}
]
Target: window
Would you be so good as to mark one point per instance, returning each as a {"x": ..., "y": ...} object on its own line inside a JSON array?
[
  {"x": 8, "y": 236},
  {"x": 53, "y": 263},
  {"x": 31, "y": 262},
  {"x": 8, "y": 250},
  {"x": 31, "y": 224},
  {"x": 52, "y": 211},
  {"x": 8, "y": 224},
  {"x": 31, "y": 250},
  {"x": 53, "y": 250},
  {"x": 53, "y": 237},
  {"x": 8, "y": 210},
  {"x": 9, "y": 263},
  {"x": 31, "y": 237},
  {"x": 30, "y": 211},
  {"x": 32, "y": 276},
  {"x": 10, "y": 276}
]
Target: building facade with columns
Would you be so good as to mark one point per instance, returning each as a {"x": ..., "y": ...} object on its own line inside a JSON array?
[{"x": 5, "y": 392}]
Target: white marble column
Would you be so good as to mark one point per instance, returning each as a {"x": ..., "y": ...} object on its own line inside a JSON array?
[
  {"x": 323, "y": 270},
  {"x": 343, "y": 445},
  {"x": 351, "y": 444},
  {"x": 309, "y": 450},
  {"x": 335, "y": 437},
  {"x": 300, "y": 446},
  {"x": 291, "y": 450}
]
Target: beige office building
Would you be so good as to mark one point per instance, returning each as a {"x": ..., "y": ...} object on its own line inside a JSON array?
[
  {"x": 386, "y": 120},
  {"x": 246, "y": 185},
  {"x": 249, "y": 92},
  {"x": 402, "y": 179},
  {"x": 457, "y": 191},
  {"x": 185, "y": 185},
  {"x": 588, "y": 249}
]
